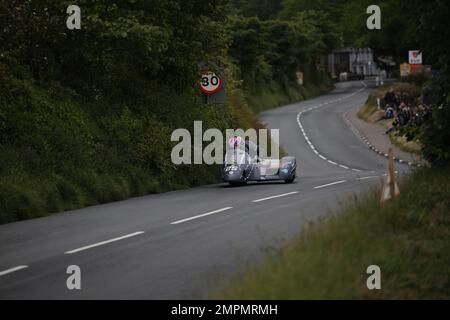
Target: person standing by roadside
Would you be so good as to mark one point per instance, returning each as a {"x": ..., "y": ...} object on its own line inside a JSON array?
[{"x": 389, "y": 98}]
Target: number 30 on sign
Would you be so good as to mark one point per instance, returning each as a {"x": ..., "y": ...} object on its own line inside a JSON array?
[{"x": 210, "y": 83}]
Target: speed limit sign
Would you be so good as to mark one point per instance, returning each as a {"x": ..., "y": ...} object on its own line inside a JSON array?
[{"x": 210, "y": 83}]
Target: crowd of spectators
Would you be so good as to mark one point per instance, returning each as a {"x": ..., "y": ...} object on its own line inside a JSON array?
[{"x": 405, "y": 109}]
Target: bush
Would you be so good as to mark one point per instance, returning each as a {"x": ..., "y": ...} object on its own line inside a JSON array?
[{"x": 86, "y": 117}]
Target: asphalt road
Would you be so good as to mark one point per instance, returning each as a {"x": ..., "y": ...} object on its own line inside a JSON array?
[{"x": 183, "y": 244}]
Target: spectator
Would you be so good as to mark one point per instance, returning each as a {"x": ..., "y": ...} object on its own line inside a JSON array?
[
  {"x": 388, "y": 114},
  {"x": 427, "y": 113},
  {"x": 401, "y": 119},
  {"x": 406, "y": 110},
  {"x": 389, "y": 98},
  {"x": 397, "y": 100},
  {"x": 395, "y": 124}
]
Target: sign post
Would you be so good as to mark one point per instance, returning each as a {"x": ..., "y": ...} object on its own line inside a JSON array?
[
  {"x": 404, "y": 70},
  {"x": 212, "y": 85},
  {"x": 415, "y": 57}
]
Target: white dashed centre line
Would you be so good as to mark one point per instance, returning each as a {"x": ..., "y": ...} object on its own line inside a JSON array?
[
  {"x": 5, "y": 272},
  {"x": 201, "y": 215},
  {"x": 330, "y": 184},
  {"x": 370, "y": 177},
  {"x": 104, "y": 242},
  {"x": 277, "y": 196}
]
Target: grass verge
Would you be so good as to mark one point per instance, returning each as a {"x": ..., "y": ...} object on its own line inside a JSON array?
[
  {"x": 409, "y": 239},
  {"x": 403, "y": 144}
]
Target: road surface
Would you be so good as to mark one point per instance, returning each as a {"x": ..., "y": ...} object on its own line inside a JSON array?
[{"x": 183, "y": 244}]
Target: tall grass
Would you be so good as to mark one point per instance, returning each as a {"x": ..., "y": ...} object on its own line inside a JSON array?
[{"x": 409, "y": 239}]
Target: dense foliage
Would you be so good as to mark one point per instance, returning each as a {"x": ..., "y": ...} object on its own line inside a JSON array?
[
  {"x": 86, "y": 115},
  {"x": 270, "y": 44}
]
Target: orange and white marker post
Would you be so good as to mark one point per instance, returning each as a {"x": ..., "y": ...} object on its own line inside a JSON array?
[{"x": 390, "y": 188}]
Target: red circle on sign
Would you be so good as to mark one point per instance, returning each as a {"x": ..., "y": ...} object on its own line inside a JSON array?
[{"x": 210, "y": 88}]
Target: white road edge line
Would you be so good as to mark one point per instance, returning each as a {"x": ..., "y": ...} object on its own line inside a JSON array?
[
  {"x": 330, "y": 184},
  {"x": 202, "y": 215},
  {"x": 11, "y": 270},
  {"x": 299, "y": 115},
  {"x": 277, "y": 196},
  {"x": 104, "y": 242}
]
